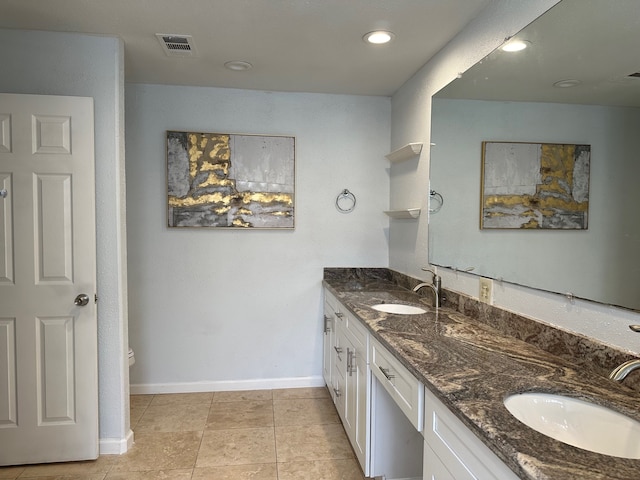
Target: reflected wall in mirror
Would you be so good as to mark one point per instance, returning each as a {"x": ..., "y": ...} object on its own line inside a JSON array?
[{"x": 511, "y": 97}]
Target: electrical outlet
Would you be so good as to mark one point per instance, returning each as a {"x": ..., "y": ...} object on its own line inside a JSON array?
[{"x": 486, "y": 291}]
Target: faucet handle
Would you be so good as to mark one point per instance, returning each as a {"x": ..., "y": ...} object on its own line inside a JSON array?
[{"x": 431, "y": 271}]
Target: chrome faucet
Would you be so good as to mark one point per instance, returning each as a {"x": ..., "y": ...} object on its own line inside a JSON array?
[
  {"x": 435, "y": 286},
  {"x": 436, "y": 303},
  {"x": 619, "y": 373}
]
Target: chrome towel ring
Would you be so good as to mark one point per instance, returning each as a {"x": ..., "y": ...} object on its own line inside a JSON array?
[
  {"x": 346, "y": 201},
  {"x": 440, "y": 201}
]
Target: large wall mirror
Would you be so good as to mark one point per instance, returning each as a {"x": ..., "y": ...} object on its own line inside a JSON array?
[{"x": 578, "y": 82}]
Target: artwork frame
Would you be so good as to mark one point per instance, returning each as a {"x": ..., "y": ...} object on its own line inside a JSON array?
[
  {"x": 229, "y": 180},
  {"x": 534, "y": 186}
]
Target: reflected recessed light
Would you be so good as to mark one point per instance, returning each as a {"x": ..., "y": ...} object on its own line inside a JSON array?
[
  {"x": 379, "y": 37},
  {"x": 515, "y": 45},
  {"x": 567, "y": 83},
  {"x": 238, "y": 66}
]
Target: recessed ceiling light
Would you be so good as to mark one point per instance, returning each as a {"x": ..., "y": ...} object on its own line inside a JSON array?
[
  {"x": 567, "y": 83},
  {"x": 515, "y": 45},
  {"x": 238, "y": 66},
  {"x": 379, "y": 37}
]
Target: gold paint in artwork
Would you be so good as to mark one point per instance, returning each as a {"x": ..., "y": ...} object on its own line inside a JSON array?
[
  {"x": 238, "y": 222},
  {"x": 556, "y": 161},
  {"x": 214, "y": 147},
  {"x": 495, "y": 214},
  {"x": 554, "y": 186},
  {"x": 220, "y": 151},
  {"x": 221, "y": 168},
  {"x": 212, "y": 198},
  {"x": 259, "y": 197},
  {"x": 194, "y": 156},
  {"x": 213, "y": 180},
  {"x": 244, "y": 211},
  {"x": 545, "y": 204}
]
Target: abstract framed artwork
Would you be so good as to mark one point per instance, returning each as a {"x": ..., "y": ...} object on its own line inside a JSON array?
[
  {"x": 535, "y": 186},
  {"x": 230, "y": 180}
]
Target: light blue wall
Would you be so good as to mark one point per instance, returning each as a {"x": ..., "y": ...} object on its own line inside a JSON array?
[
  {"x": 92, "y": 66},
  {"x": 223, "y": 308}
]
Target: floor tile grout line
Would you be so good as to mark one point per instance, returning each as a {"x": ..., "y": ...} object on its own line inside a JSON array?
[
  {"x": 275, "y": 440},
  {"x": 273, "y": 421}
]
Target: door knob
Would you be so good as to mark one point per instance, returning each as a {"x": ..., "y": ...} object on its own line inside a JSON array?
[
  {"x": 82, "y": 300},
  {"x": 3, "y": 193}
]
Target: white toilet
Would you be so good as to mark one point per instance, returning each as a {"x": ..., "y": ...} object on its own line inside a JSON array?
[{"x": 132, "y": 357}]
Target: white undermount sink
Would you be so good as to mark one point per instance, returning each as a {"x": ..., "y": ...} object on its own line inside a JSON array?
[
  {"x": 398, "y": 308},
  {"x": 577, "y": 422}
]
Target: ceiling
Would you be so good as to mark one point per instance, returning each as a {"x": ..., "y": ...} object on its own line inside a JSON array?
[
  {"x": 293, "y": 45},
  {"x": 594, "y": 42}
]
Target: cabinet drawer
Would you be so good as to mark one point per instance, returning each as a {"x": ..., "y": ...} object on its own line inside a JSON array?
[
  {"x": 466, "y": 457},
  {"x": 335, "y": 305},
  {"x": 404, "y": 388},
  {"x": 330, "y": 299}
]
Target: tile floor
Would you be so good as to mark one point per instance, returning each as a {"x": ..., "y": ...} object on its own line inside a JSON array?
[{"x": 290, "y": 434}]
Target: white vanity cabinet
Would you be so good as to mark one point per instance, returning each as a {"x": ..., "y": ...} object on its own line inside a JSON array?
[
  {"x": 346, "y": 372},
  {"x": 386, "y": 443},
  {"x": 453, "y": 452}
]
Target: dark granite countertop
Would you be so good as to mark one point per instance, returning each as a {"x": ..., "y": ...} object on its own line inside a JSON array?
[{"x": 471, "y": 367}]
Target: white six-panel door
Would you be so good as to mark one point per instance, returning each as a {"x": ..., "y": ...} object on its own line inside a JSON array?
[{"x": 48, "y": 343}]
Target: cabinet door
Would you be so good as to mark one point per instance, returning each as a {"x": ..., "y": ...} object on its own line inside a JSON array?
[
  {"x": 350, "y": 389},
  {"x": 339, "y": 373},
  {"x": 361, "y": 384},
  {"x": 457, "y": 447},
  {"x": 356, "y": 391},
  {"x": 338, "y": 392},
  {"x": 433, "y": 468},
  {"x": 327, "y": 344}
]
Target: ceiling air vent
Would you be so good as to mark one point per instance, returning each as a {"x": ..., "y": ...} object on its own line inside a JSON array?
[{"x": 177, "y": 45}]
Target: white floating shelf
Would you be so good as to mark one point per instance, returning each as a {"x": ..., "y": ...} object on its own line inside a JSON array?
[
  {"x": 405, "y": 213},
  {"x": 405, "y": 153}
]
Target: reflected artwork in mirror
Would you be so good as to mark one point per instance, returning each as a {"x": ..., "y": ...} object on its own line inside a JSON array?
[
  {"x": 535, "y": 185},
  {"x": 588, "y": 49}
]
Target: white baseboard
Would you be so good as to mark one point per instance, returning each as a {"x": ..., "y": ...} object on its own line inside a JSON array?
[
  {"x": 226, "y": 385},
  {"x": 116, "y": 446}
]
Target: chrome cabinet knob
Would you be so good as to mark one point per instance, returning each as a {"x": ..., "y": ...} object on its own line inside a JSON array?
[
  {"x": 82, "y": 300},
  {"x": 3, "y": 193}
]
